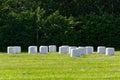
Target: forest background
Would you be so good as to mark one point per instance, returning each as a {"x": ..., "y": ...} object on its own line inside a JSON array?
[{"x": 59, "y": 22}]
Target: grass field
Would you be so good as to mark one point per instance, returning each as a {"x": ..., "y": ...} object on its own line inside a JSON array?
[{"x": 54, "y": 66}]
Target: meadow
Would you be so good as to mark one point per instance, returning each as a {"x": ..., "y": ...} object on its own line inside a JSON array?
[{"x": 54, "y": 66}]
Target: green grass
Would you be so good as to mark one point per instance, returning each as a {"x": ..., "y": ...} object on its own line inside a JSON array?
[{"x": 54, "y": 66}]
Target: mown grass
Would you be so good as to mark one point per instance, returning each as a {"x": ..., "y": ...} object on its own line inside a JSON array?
[{"x": 54, "y": 66}]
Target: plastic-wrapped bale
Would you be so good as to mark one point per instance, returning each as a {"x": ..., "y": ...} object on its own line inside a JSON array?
[
  {"x": 110, "y": 51},
  {"x": 10, "y": 50},
  {"x": 17, "y": 49},
  {"x": 52, "y": 48},
  {"x": 82, "y": 50},
  {"x": 75, "y": 53},
  {"x": 70, "y": 48},
  {"x": 43, "y": 49},
  {"x": 63, "y": 49},
  {"x": 13, "y": 49},
  {"x": 32, "y": 49},
  {"x": 101, "y": 49},
  {"x": 89, "y": 49}
]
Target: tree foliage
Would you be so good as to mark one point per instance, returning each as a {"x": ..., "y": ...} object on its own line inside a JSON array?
[{"x": 70, "y": 22}]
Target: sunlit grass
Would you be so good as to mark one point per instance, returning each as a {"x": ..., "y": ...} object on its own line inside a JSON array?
[{"x": 54, "y": 66}]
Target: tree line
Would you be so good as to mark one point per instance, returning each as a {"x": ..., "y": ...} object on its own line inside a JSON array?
[{"x": 69, "y": 22}]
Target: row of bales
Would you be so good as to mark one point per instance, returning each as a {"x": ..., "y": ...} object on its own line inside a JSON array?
[{"x": 74, "y": 51}]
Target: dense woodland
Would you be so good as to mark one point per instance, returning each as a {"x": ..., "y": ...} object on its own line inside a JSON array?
[{"x": 58, "y": 22}]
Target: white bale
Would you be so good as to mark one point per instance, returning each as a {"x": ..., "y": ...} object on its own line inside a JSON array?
[
  {"x": 82, "y": 50},
  {"x": 63, "y": 49},
  {"x": 17, "y": 49},
  {"x": 10, "y": 50},
  {"x": 110, "y": 51},
  {"x": 89, "y": 49},
  {"x": 13, "y": 49},
  {"x": 75, "y": 53},
  {"x": 43, "y": 49},
  {"x": 70, "y": 48},
  {"x": 101, "y": 49},
  {"x": 52, "y": 48},
  {"x": 32, "y": 49}
]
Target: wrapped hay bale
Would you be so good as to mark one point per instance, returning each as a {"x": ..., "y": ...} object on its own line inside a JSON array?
[
  {"x": 89, "y": 49},
  {"x": 110, "y": 51},
  {"x": 75, "y": 53},
  {"x": 63, "y": 49},
  {"x": 13, "y": 49},
  {"x": 43, "y": 49},
  {"x": 82, "y": 50},
  {"x": 101, "y": 49},
  {"x": 10, "y": 50},
  {"x": 17, "y": 49},
  {"x": 52, "y": 48},
  {"x": 70, "y": 48},
  {"x": 32, "y": 49}
]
